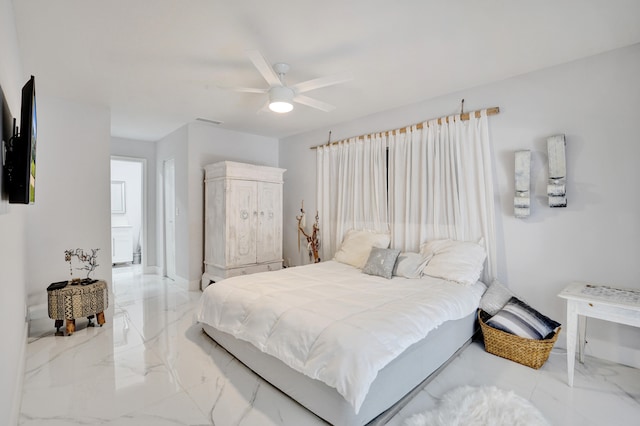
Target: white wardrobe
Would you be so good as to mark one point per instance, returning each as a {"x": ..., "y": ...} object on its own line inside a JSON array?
[{"x": 243, "y": 220}]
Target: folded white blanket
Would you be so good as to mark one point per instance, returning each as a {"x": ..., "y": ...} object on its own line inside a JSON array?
[{"x": 331, "y": 322}]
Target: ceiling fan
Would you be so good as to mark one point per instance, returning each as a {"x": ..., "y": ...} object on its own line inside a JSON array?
[{"x": 281, "y": 96}]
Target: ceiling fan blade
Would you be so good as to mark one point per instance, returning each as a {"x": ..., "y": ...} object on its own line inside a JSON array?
[
  {"x": 317, "y": 83},
  {"x": 264, "y": 68},
  {"x": 313, "y": 103},
  {"x": 247, "y": 89}
]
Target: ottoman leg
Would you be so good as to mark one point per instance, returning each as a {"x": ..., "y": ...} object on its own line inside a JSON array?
[
  {"x": 71, "y": 326},
  {"x": 58, "y": 325},
  {"x": 101, "y": 320}
]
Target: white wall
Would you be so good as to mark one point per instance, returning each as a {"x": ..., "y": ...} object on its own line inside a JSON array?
[
  {"x": 147, "y": 151},
  {"x": 596, "y": 238},
  {"x": 299, "y": 185},
  {"x": 13, "y": 250},
  {"x": 174, "y": 146},
  {"x": 209, "y": 144},
  {"x": 72, "y": 208}
]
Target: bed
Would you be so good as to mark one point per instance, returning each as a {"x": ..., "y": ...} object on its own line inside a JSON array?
[{"x": 346, "y": 345}]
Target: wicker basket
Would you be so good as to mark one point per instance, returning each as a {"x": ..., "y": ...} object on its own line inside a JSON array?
[{"x": 530, "y": 352}]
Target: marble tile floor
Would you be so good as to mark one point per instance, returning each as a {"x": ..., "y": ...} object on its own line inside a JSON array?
[{"x": 151, "y": 365}]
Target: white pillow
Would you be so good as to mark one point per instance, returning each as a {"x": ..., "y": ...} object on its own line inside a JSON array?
[
  {"x": 459, "y": 261},
  {"x": 356, "y": 246},
  {"x": 410, "y": 265}
]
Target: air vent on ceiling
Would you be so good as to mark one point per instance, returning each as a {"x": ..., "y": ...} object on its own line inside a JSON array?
[{"x": 206, "y": 120}]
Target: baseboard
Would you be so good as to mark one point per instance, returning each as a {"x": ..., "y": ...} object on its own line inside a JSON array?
[
  {"x": 612, "y": 352},
  {"x": 189, "y": 285},
  {"x": 16, "y": 402},
  {"x": 181, "y": 282},
  {"x": 38, "y": 311},
  {"x": 152, "y": 270}
]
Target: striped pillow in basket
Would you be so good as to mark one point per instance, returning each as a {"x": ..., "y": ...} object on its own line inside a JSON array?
[{"x": 516, "y": 317}]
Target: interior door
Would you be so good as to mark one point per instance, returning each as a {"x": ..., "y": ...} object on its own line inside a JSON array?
[
  {"x": 269, "y": 247},
  {"x": 170, "y": 218}
]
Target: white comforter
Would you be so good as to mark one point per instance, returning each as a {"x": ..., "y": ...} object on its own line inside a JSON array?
[{"x": 331, "y": 322}]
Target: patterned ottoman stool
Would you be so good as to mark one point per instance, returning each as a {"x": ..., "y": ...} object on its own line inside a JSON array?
[{"x": 77, "y": 301}]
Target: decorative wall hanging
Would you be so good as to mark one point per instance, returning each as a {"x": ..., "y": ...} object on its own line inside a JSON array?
[
  {"x": 557, "y": 185},
  {"x": 313, "y": 244},
  {"x": 522, "y": 198}
]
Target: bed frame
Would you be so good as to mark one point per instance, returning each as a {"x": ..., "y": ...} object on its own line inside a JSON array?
[{"x": 394, "y": 386}]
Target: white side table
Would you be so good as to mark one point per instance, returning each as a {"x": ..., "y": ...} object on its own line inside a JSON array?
[{"x": 596, "y": 301}]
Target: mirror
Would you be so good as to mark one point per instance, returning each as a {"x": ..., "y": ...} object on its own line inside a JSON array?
[{"x": 117, "y": 197}]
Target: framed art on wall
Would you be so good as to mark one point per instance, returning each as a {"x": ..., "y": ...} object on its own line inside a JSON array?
[{"x": 118, "y": 197}]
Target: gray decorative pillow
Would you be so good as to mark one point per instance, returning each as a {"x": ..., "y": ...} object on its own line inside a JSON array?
[
  {"x": 495, "y": 298},
  {"x": 381, "y": 262},
  {"x": 516, "y": 317}
]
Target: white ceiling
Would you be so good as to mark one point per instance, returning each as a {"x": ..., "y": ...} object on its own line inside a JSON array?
[{"x": 158, "y": 64}]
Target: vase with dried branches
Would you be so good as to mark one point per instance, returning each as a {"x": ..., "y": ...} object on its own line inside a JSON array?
[{"x": 313, "y": 243}]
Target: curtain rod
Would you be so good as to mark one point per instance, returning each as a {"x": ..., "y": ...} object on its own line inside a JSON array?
[{"x": 463, "y": 117}]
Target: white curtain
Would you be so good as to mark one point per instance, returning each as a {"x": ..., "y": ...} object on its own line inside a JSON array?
[
  {"x": 351, "y": 189},
  {"x": 441, "y": 185}
]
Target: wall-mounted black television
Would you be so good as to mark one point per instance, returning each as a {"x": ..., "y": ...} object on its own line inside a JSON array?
[{"x": 20, "y": 167}]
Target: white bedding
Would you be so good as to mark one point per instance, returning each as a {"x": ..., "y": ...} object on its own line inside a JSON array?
[{"x": 331, "y": 322}]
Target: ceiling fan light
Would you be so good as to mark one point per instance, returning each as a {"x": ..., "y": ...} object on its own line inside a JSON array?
[
  {"x": 280, "y": 106},
  {"x": 280, "y": 99}
]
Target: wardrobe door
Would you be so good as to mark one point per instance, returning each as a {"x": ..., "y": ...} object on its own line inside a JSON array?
[
  {"x": 242, "y": 219},
  {"x": 214, "y": 223},
  {"x": 269, "y": 239}
]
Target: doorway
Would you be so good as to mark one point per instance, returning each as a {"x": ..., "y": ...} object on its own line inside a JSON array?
[
  {"x": 169, "y": 192},
  {"x": 128, "y": 212}
]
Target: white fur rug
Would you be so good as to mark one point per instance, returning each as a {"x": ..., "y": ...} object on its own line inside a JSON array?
[{"x": 480, "y": 406}]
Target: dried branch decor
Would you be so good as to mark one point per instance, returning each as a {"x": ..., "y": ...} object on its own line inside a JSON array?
[
  {"x": 313, "y": 244},
  {"x": 89, "y": 260}
]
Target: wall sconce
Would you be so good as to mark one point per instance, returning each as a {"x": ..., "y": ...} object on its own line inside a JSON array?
[
  {"x": 522, "y": 198},
  {"x": 557, "y": 185}
]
